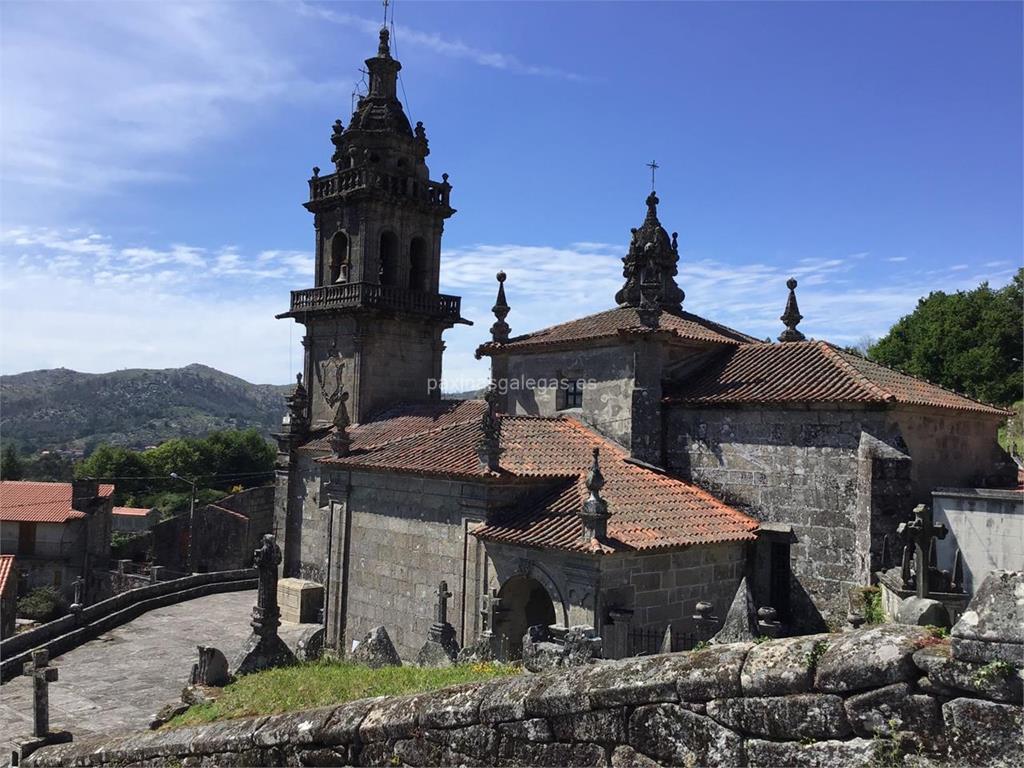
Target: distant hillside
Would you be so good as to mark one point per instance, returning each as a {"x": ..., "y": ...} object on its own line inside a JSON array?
[{"x": 60, "y": 408}]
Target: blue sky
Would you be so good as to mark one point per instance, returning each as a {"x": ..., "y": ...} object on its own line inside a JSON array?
[{"x": 155, "y": 158}]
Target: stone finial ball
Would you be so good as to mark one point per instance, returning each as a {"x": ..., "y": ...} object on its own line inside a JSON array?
[
  {"x": 791, "y": 283},
  {"x": 501, "y": 277}
]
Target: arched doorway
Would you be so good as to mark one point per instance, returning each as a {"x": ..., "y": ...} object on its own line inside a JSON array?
[{"x": 525, "y": 603}]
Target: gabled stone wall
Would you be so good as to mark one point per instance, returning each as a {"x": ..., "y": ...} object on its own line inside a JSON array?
[
  {"x": 831, "y": 474},
  {"x": 856, "y": 699}
]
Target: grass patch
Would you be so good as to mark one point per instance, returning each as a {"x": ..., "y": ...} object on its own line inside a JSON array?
[{"x": 328, "y": 681}]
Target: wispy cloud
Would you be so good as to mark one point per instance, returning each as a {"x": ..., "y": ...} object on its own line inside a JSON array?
[
  {"x": 96, "y": 304},
  {"x": 116, "y": 93},
  {"x": 438, "y": 44}
]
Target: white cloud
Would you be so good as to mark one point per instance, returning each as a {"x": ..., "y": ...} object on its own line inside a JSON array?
[
  {"x": 116, "y": 92},
  {"x": 437, "y": 43},
  {"x": 81, "y": 300}
]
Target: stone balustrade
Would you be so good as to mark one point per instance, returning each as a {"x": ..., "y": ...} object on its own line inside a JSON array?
[
  {"x": 432, "y": 193},
  {"x": 370, "y": 295},
  {"x": 79, "y": 627}
]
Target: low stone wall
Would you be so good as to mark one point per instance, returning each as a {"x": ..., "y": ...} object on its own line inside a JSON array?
[
  {"x": 72, "y": 630},
  {"x": 853, "y": 699}
]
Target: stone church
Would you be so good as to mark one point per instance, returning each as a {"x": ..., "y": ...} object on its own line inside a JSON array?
[{"x": 659, "y": 458}]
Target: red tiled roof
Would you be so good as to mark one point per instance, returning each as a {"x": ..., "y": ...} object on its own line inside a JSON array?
[
  {"x": 649, "y": 510},
  {"x": 618, "y": 322},
  {"x": 31, "y": 502},
  {"x": 405, "y": 420},
  {"x": 810, "y": 371},
  {"x": 131, "y": 511},
  {"x": 6, "y": 569}
]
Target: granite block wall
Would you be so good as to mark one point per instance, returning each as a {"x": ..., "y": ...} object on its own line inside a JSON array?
[
  {"x": 857, "y": 699},
  {"x": 795, "y": 467}
]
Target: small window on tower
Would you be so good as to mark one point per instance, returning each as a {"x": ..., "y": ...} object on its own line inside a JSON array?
[{"x": 572, "y": 396}]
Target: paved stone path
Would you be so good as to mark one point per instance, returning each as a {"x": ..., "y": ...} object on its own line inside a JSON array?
[{"x": 116, "y": 682}]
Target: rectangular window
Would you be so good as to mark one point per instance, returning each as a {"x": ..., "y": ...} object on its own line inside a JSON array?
[
  {"x": 26, "y": 538},
  {"x": 573, "y": 397}
]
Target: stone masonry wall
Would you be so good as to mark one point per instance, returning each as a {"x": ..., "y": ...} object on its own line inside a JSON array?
[
  {"x": 664, "y": 588},
  {"x": 407, "y": 534},
  {"x": 953, "y": 449},
  {"x": 863, "y": 698},
  {"x": 792, "y": 466},
  {"x": 607, "y": 400}
]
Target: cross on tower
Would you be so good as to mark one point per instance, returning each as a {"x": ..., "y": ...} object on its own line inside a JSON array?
[
  {"x": 42, "y": 675},
  {"x": 920, "y": 531},
  {"x": 653, "y": 165}
]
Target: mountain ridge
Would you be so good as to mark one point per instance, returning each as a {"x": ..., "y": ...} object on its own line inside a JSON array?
[{"x": 59, "y": 408}]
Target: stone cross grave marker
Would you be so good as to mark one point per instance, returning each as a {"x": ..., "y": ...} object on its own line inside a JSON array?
[
  {"x": 920, "y": 531},
  {"x": 492, "y": 607},
  {"x": 42, "y": 675},
  {"x": 442, "y": 602}
]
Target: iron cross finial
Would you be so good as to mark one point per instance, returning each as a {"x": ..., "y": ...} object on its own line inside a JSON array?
[{"x": 653, "y": 165}]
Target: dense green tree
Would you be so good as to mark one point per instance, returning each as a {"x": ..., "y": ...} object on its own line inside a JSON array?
[
  {"x": 124, "y": 467},
  {"x": 50, "y": 467},
  {"x": 11, "y": 466},
  {"x": 218, "y": 462},
  {"x": 968, "y": 341}
]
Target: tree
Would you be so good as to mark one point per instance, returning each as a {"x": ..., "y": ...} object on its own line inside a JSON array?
[
  {"x": 11, "y": 467},
  {"x": 968, "y": 341}
]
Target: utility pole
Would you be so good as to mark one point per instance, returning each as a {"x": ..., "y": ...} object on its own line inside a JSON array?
[{"x": 190, "y": 553}]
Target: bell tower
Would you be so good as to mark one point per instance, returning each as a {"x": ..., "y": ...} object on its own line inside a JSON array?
[{"x": 374, "y": 318}]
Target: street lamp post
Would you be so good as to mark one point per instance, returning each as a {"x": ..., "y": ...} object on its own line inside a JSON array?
[{"x": 190, "y": 565}]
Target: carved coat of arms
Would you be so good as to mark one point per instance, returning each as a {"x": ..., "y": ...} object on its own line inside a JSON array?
[{"x": 330, "y": 373}]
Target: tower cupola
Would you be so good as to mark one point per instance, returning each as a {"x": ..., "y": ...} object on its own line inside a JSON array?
[{"x": 651, "y": 249}]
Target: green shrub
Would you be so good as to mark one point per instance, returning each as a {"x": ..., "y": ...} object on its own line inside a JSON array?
[{"x": 42, "y": 604}]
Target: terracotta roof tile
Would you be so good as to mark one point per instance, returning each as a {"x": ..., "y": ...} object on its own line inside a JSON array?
[
  {"x": 810, "y": 371},
  {"x": 131, "y": 511},
  {"x": 31, "y": 502},
  {"x": 620, "y": 321},
  {"x": 650, "y": 510},
  {"x": 6, "y": 569},
  {"x": 405, "y": 420}
]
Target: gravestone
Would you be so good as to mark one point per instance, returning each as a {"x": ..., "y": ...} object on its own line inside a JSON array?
[
  {"x": 741, "y": 620},
  {"x": 265, "y": 648},
  {"x": 441, "y": 648},
  {"x": 211, "y": 669},
  {"x": 376, "y": 650}
]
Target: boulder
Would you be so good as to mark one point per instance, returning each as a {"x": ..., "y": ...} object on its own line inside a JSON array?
[
  {"x": 568, "y": 755},
  {"x": 870, "y": 658},
  {"x": 711, "y": 673},
  {"x": 994, "y": 680},
  {"x": 984, "y": 733},
  {"x": 818, "y": 716},
  {"x": 820, "y": 754},
  {"x": 606, "y": 725},
  {"x": 990, "y": 628},
  {"x": 781, "y": 667},
  {"x": 376, "y": 650},
  {"x": 677, "y": 736},
  {"x": 740, "y": 624},
  {"x": 888, "y": 710},
  {"x": 627, "y": 757},
  {"x": 922, "y": 612}
]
